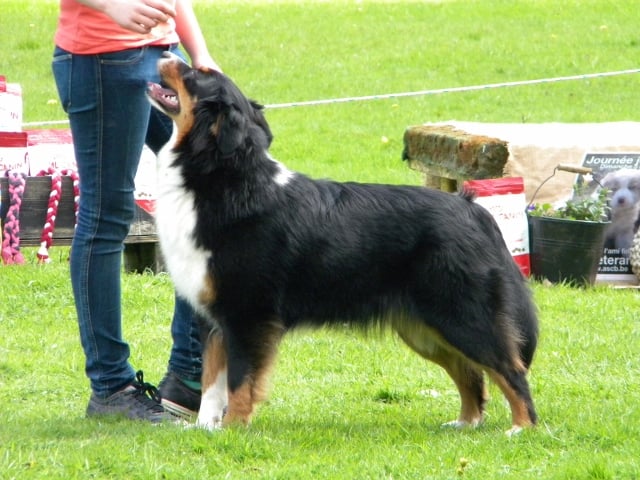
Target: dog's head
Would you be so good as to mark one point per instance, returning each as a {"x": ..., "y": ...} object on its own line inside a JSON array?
[
  {"x": 209, "y": 110},
  {"x": 624, "y": 186}
]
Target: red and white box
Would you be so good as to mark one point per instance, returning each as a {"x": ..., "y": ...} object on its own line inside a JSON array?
[
  {"x": 146, "y": 178},
  {"x": 52, "y": 148},
  {"x": 13, "y": 152},
  {"x": 10, "y": 106},
  {"x": 505, "y": 200}
]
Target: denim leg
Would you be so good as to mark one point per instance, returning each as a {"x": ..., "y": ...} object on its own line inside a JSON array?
[
  {"x": 111, "y": 118},
  {"x": 105, "y": 98},
  {"x": 186, "y": 353}
]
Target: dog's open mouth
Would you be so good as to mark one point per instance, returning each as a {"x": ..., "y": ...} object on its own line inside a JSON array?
[{"x": 164, "y": 97}]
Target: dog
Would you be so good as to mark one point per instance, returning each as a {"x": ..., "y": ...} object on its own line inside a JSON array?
[
  {"x": 259, "y": 250},
  {"x": 624, "y": 187}
]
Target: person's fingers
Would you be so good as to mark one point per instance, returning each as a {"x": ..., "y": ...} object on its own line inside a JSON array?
[{"x": 166, "y": 7}]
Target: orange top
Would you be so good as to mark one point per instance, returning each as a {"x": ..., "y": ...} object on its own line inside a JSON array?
[{"x": 83, "y": 30}]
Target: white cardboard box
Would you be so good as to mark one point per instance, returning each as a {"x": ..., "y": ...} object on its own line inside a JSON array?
[{"x": 10, "y": 106}]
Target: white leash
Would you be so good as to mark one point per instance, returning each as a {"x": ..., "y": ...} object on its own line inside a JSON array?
[{"x": 455, "y": 89}]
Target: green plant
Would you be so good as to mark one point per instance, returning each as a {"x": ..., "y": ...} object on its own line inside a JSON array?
[{"x": 581, "y": 207}]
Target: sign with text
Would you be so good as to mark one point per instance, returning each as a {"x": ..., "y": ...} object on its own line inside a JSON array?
[{"x": 620, "y": 174}]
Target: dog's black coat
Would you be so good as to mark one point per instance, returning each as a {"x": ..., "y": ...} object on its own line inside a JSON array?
[{"x": 311, "y": 252}]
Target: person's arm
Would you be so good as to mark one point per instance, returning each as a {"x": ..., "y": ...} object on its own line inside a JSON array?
[
  {"x": 191, "y": 37},
  {"x": 139, "y": 16}
]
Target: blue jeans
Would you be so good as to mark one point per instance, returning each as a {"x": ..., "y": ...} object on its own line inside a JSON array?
[{"x": 111, "y": 119}]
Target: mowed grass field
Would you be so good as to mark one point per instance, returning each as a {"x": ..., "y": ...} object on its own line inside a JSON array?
[{"x": 343, "y": 405}]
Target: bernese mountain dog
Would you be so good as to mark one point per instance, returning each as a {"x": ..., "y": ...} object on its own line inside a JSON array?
[{"x": 258, "y": 250}]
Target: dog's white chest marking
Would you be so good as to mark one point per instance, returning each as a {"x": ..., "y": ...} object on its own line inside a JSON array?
[
  {"x": 175, "y": 224},
  {"x": 284, "y": 174}
]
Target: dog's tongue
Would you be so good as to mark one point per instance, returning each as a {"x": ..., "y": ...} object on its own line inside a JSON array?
[{"x": 164, "y": 96}]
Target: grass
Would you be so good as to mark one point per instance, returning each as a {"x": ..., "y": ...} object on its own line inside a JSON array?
[{"x": 342, "y": 407}]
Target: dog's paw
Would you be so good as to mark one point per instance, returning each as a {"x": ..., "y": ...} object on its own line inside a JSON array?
[
  {"x": 210, "y": 423},
  {"x": 211, "y": 419},
  {"x": 462, "y": 424},
  {"x": 514, "y": 431}
]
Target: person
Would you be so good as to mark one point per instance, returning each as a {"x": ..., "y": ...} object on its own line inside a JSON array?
[{"x": 105, "y": 54}]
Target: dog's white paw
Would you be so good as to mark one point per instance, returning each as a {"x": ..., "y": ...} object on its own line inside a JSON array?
[
  {"x": 513, "y": 431},
  {"x": 209, "y": 422},
  {"x": 461, "y": 424},
  {"x": 210, "y": 418}
]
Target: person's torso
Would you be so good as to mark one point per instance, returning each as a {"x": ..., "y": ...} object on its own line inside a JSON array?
[{"x": 83, "y": 30}]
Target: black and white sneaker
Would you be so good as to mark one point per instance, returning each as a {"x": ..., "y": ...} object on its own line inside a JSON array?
[
  {"x": 179, "y": 399},
  {"x": 137, "y": 401}
]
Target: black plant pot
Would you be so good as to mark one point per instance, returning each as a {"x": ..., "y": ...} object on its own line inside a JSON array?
[{"x": 565, "y": 250}]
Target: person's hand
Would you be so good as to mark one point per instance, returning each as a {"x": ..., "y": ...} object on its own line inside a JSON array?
[
  {"x": 205, "y": 61},
  {"x": 139, "y": 16}
]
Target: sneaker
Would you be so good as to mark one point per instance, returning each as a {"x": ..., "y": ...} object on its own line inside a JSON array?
[
  {"x": 178, "y": 399},
  {"x": 136, "y": 401}
]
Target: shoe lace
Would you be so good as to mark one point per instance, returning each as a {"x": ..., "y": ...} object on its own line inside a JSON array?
[{"x": 147, "y": 390}]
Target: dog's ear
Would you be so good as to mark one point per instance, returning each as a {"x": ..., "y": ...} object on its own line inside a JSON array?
[
  {"x": 218, "y": 126},
  {"x": 229, "y": 130},
  {"x": 261, "y": 122}
]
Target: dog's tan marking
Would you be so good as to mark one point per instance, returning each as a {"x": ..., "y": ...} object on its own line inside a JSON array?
[
  {"x": 208, "y": 293},
  {"x": 215, "y": 128},
  {"x": 214, "y": 360},
  {"x": 467, "y": 377},
  {"x": 519, "y": 411},
  {"x": 170, "y": 72},
  {"x": 241, "y": 405},
  {"x": 254, "y": 389},
  {"x": 465, "y": 374},
  {"x": 214, "y": 382}
]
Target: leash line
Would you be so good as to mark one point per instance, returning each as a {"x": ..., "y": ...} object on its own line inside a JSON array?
[
  {"x": 469, "y": 88},
  {"x": 438, "y": 91}
]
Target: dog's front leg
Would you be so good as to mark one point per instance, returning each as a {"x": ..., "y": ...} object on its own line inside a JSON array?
[
  {"x": 214, "y": 383},
  {"x": 251, "y": 353}
]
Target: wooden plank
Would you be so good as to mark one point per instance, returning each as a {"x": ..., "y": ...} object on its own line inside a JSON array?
[
  {"x": 34, "y": 208},
  {"x": 444, "y": 152}
]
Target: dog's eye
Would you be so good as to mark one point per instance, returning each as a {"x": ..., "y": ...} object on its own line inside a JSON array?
[
  {"x": 634, "y": 185},
  {"x": 190, "y": 77}
]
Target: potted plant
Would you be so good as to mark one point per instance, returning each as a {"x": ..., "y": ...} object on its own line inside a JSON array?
[{"x": 566, "y": 242}]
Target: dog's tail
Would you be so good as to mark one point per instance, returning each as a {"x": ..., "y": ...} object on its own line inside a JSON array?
[
  {"x": 515, "y": 318},
  {"x": 468, "y": 194}
]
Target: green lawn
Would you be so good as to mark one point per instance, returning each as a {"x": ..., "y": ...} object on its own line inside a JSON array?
[
  {"x": 341, "y": 405},
  {"x": 344, "y": 406}
]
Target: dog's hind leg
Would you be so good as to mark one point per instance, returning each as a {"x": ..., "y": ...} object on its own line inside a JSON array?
[
  {"x": 501, "y": 358},
  {"x": 515, "y": 388},
  {"x": 468, "y": 379},
  {"x": 214, "y": 382},
  {"x": 251, "y": 355}
]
